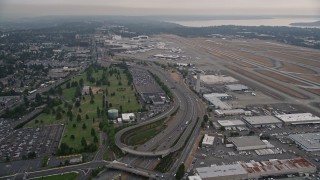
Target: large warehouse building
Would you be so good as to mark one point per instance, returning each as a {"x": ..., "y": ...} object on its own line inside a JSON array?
[
  {"x": 262, "y": 121},
  {"x": 300, "y": 118},
  {"x": 256, "y": 170},
  {"x": 231, "y": 112},
  {"x": 245, "y": 143},
  {"x": 213, "y": 79},
  {"x": 231, "y": 123},
  {"x": 308, "y": 141}
]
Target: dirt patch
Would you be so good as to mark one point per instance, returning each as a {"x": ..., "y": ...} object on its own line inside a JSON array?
[
  {"x": 281, "y": 77},
  {"x": 256, "y": 59},
  {"x": 244, "y": 64},
  {"x": 96, "y": 90},
  {"x": 289, "y": 67},
  {"x": 314, "y": 91},
  {"x": 175, "y": 76},
  {"x": 269, "y": 83}
]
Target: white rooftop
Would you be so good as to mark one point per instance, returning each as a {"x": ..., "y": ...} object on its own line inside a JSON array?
[
  {"x": 195, "y": 177},
  {"x": 237, "y": 87},
  {"x": 127, "y": 116},
  {"x": 254, "y": 120},
  {"x": 300, "y": 118},
  {"x": 226, "y": 123},
  {"x": 216, "y": 101},
  {"x": 213, "y": 79},
  {"x": 219, "y": 171},
  {"x": 207, "y": 140},
  {"x": 230, "y": 111}
]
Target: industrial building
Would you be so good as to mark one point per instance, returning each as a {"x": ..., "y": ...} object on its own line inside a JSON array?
[
  {"x": 262, "y": 121},
  {"x": 237, "y": 87},
  {"x": 245, "y": 143},
  {"x": 231, "y": 123},
  {"x": 299, "y": 118},
  {"x": 207, "y": 140},
  {"x": 214, "y": 100},
  {"x": 230, "y": 112},
  {"x": 308, "y": 141},
  {"x": 128, "y": 117},
  {"x": 213, "y": 79},
  {"x": 256, "y": 170},
  {"x": 231, "y": 171}
]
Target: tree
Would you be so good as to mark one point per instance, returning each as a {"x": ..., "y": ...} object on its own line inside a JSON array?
[
  {"x": 74, "y": 125},
  {"x": 68, "y": 85},
  {"x": 205, "y": 118},
  {"x": 98, "y": 111},
  {"x": 95, "y": 139},
  {"x": 251, "y": 133},
  {"x": 80, "y": 110},
  {"x": 59, "y": 90},
  {"x": 81, "y": 82},
  {"x": 87, "y": 116},
  {"x": 58, "y": 116},
  {"x": 84, "y": 142},
  {"x": 180, "y": 172},
  {"x": 93, "y": 132},
  {"x": 77, "y": 104},
  {"x": 38, "y": 98},
  {"x": 72, "y": 137},
  {"x": 78, "y": 117},
  {"x": 100, "y": 126},
  {"x": 84, "y": 126},
  {"x": 26, "y": 100}
]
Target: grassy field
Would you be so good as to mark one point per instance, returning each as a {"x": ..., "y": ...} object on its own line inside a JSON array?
[
  {"x": 144, "y": 134},
  {"x": 67, "y": 176},
  {"x": 119, "y": 94}
]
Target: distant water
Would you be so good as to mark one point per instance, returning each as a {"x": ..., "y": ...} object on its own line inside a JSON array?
[{"x": 248, "y": 22}]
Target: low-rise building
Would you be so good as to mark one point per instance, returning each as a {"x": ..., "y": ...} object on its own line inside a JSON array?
[
  {"x": 231, "y": 123},
  {"x": 245, "y": 143},
  {"x": 236, "y": 87},
  {"x": 229, "y": 112},
  {"x": 256, "y": 170},
  {"x": 85, "y": 90},
  {"x": 207, "y": 140},
  {"x": 128, "y": 117},
  {"x": 215, "y": 100},
  {"x": 308, "y": 141},
  {"x": 299, "y": 118},
  {"x": 214, "y": 172},
  {"x": 262, "y": 121}
]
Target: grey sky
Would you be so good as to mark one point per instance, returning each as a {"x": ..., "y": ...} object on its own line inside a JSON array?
[{"x": 23, "y": 8}]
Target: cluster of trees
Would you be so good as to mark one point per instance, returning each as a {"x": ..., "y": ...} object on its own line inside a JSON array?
[{"x": 162, "y": 85}]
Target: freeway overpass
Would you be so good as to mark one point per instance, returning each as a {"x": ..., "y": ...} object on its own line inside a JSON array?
[
  {"x": 183, "y": 99},
  {"x": 133, "y": 170}
]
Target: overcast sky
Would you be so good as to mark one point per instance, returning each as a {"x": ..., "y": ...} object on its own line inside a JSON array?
[{"x": 24, "y": 8}]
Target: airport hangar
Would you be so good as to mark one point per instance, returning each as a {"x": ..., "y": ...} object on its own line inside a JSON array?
[{"x": 262, "y": 121}]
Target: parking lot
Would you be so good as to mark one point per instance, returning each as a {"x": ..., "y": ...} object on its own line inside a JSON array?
[{"x": 41, "y": 140}]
